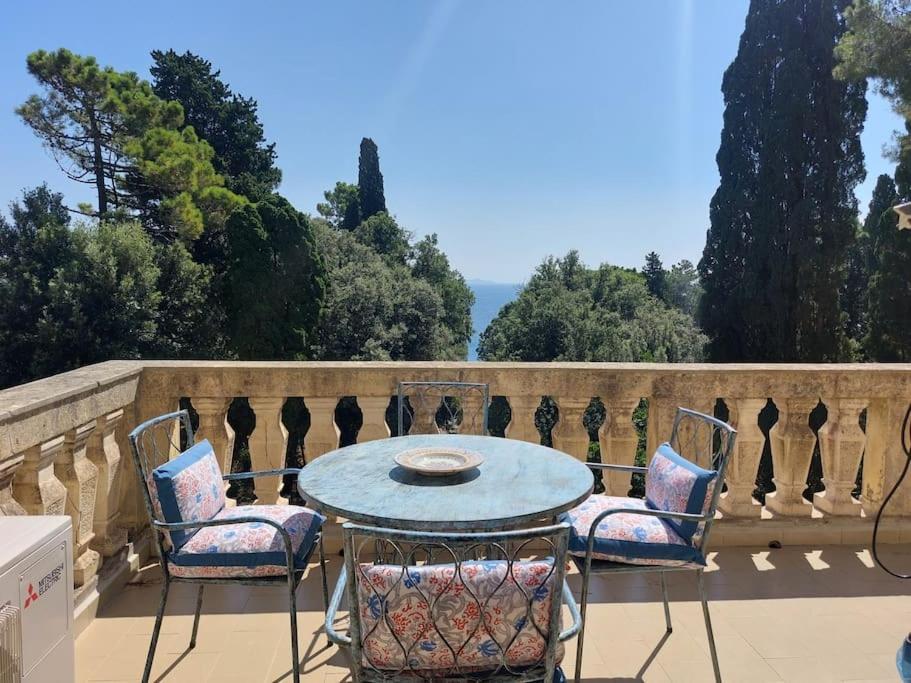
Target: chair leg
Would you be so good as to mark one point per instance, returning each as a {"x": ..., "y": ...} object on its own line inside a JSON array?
[
  {"x": 580, "y": 639},
  {"x": 322, "y": 569},
  {"x": 196, "y": 617},
  {"x": 667, "y": 605},
  {"x": 708, "y": 628},
  {"x": 292, "y": 609},
  {"x": 156, "y": 630}
]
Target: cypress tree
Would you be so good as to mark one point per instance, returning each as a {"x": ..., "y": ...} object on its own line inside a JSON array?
[
  {"x": 889, "y": 298},
  {"x": 369, "y": 181},
  {"x": 655, "y": 276},
  {"x": 783, "y": 216}
]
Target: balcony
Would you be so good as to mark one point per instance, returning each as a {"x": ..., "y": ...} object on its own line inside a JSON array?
[{"x": 815, "y": 609}]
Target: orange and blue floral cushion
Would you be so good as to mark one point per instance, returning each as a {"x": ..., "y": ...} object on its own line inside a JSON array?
[
  {"x": 628, "y": 537},
  {"x": 189, "y": 488},
  {"x": 438, "y": 620},
  {"x": 675, "y": 484},
  {"x": 248, "y": 549}
]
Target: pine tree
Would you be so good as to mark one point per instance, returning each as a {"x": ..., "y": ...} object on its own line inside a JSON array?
[
  {"x": 783, "y": 217},
  {"x": 655, "y": 276},
  {"x": 369, "y": 181}
]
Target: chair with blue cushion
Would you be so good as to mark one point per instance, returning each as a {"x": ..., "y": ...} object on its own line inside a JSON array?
[
  {"x": 201, "y": 541},
  {"x": 434, "y": 608},
  {"x": 666, "y": 531}
]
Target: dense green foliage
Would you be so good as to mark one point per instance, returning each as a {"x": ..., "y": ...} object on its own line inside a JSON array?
[
  {"x": 783, "y": 217},
  {"x": 341, "y": 208},
  {"x": 655, "y": 276},
  {"x": 221, "y": 117},
  {"x": 108, "y": 129},
  {"x": 569, "y": 312},
  {"x": 274, "y": 283}
]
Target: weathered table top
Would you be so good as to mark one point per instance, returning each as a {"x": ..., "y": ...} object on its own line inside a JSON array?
[{"x": 518, "y": 483}]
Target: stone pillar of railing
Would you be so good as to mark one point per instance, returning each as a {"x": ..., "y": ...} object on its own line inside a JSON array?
[
  {"x": 792, "y": 443},
  {"x": 424, "y": 414},
  {"x": 35, "y": 485},
  {"x": 884, "y": 458},
  {"x": 133, "y": 514},
  {"x": 373, "y": 410},
  {"x": 841, "y": 446},
  {"x": 661, "y": 414},
  {"x": 743, "y": 465},
  {"x": 9, "y": 506},
  {"x": 104, "y": 452},
  {"x": 213, "y": 425},
  {"x": 618, "y": 439},
  {"x": 323, "y": 434},
  {"x": 80, "y": 476},
  {"x": 472, "y": 406},
  {"x": 569, "y": 434},
  {"x": 522, "y": 421},
  {"x": 268, "y": 446}
]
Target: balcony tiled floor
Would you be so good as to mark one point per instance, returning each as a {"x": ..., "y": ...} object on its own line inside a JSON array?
[{"x": 795, "y": 614}]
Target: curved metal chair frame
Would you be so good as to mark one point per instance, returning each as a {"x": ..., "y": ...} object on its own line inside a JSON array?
[
  {"x": 429, "y": 398},
  {"x": 411, "y": 548},
  {"x": 691, "y": 432},
  {"x": 153, "y": 443}
]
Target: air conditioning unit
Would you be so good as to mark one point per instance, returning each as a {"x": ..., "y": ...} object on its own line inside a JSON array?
[{"x": 36, "y": 600}]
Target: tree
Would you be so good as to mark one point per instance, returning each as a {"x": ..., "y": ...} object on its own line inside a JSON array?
[
  {"x": 226, "y": 120},
  {"x": 275, "y": 281},
  {"x": 383, "y": 234},
  {"x": 370, "y": 181},
  {"x": 567, "y": 312},
  {"x": 108, "y": 129},
  {"x": 341, "y": 208},
  {"x": 783, "y": 216},
  {"x": 683, "y": 289},
  {"x": 655, "y": 276}
]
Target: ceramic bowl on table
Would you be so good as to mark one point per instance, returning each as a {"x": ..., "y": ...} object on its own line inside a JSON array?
[{"x": 438, "y": 461}]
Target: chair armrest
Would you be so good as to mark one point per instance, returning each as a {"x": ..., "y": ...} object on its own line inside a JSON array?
[
  {"x": 620, "y": 468},
  {"x": 334, "y": 602},
  {"x": 570, "y": 602},
  {"x": 261, "y": 473}
]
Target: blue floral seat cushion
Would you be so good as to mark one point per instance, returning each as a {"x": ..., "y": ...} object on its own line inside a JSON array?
[
  {"x": 248, "y": 549},
  {"x": 188, "y": 488},
  {"x": 675, "y": 484},
  {"x": 626, "y": 537}
]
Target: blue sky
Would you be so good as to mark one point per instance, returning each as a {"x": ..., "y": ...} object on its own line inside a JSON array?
[{"x": 514, "y": 129}]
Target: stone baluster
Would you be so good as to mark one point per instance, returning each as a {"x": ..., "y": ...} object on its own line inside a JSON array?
[
  {"x": 792, "y": 443},
  {"x": 618, "y": 439},
  {"x": 35, "y": 485},
  {"x": 323, "y": 434},
  {"x": 213, "y": 425},
  {"x": 884, "y": 458},
  {"x": 268, "y": 446},
  {"x": 373, "y": 409},
  {"x": 80, "y": 476},
  {"x": 104, "y": 452},
  {"x": 522, "y": 421},
  {"x": 133, "y": 513},
  {"x": 8, "y": 504},
  {"x": 661, "y": 414},
  {"x": 424, "y": 407},
  {"x": 472, "y": 405},
  {"x": 743, "y": 465},
  {"x": 569, "y": 434},
  {"x": 841, "y": 446}
]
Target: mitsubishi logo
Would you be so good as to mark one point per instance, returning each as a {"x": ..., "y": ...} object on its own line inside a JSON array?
[{"x": 32, "y": 596}]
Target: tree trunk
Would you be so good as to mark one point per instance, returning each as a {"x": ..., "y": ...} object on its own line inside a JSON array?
[{"x": 98, "y": 166}]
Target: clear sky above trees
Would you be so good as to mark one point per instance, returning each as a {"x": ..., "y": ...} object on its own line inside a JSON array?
[{"x": 500, "y": 147}]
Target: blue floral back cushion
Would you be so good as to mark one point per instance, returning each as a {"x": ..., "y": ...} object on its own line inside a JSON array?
[
  {"x": 190, "y": 489},
  {"x": 675, "y": 484}
]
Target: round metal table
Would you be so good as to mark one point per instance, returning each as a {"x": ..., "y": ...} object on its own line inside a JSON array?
[{"x": 518, "y": 484}]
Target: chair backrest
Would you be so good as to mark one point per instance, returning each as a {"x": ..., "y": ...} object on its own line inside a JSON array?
[
  {"x": 707, "y": 442},
  {"x": 153, "y": 443},
  {"x": 442, "y": 407},
  {"x": 429, "y": 605}
]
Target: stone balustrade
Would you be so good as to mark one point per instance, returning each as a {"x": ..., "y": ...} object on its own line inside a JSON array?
[{"x": 63, "y": 446}]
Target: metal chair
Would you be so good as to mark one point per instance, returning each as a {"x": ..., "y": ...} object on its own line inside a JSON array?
[
  {"x": 253, "y": 544},
  {"x": 442, "y": 407},
  {"x": 615, "y": 534},
  {"x": 438, "y": 613}
]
